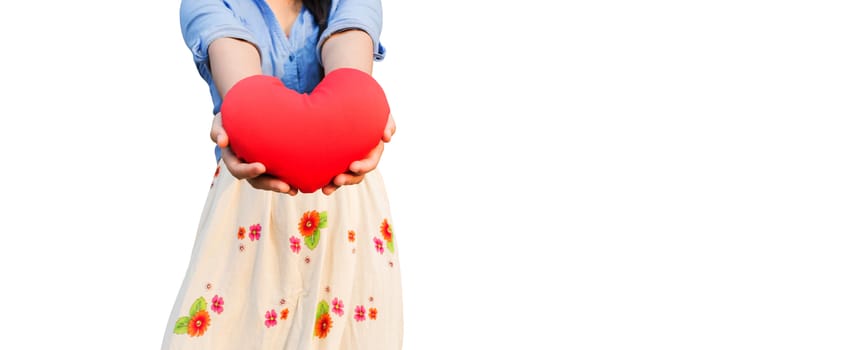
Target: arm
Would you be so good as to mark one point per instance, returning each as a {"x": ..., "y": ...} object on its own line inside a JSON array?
[
  {"x": 221, "y": 49},
  {"x": 354, "y": 49},
  {"x": 232, "y": 60},
  {"x": 348, "y": 49}
]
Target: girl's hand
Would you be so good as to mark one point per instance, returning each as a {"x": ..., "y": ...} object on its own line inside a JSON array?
[
  {"x": 251, "y": 172},
  {"x": 358, "y": 169}
]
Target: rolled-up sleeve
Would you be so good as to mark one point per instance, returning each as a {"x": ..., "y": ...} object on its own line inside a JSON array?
[
  {"x": 366, "y": 15},
  {"x": 203, "y": 21}
]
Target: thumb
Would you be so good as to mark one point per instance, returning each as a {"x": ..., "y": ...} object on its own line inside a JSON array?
[
  {"x": 389, "y": 130},
  {"x": 217, "y": 133}
]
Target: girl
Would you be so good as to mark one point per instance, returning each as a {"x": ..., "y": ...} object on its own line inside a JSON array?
[{"x": 273, "y": 268}]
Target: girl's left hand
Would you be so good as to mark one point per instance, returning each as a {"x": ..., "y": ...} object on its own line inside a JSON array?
[{"x": 358, "y": 169}]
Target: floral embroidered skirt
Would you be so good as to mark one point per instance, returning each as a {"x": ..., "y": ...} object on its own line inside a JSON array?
[{"x": 272, "y": 271}]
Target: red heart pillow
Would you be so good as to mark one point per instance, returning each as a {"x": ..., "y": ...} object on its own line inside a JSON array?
[{"x": 305, "y": 139}]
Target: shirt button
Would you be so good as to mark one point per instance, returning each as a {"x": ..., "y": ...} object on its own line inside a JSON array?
[{"x": 291, "y": 58}]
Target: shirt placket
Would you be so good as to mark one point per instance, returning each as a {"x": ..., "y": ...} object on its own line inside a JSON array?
[{"x": 281, "y": 49}]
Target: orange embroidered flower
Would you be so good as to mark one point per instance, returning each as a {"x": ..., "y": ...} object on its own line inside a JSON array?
[
  {"x": 309, "y": 223},
  {"x": 198, "y": 324},
  {"x": 373, "y": 313},
  {"x": 284, "y": 314},
  {"x": 241, "y": 233},
  {"x": 387, "y": 231},
  {"x": 323, "y": 325},
  {"x": 217, "y": 170},
  {"x": 351, "y": 235}
]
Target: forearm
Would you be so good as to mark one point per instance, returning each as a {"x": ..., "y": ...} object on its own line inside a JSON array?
[
  {"x": 348, "y": 49},
  {"x": 232, "y": 60}
]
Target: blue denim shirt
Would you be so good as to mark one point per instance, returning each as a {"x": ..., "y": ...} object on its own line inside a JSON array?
[{"x": 296, "y": 59}]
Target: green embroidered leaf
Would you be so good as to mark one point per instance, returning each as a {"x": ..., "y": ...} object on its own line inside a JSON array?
[
  {"x": 322, "y": 309},
  {"x": 391, "y": 246},
  {"x": 312, "y": 240},
  {"x": 182, "y": 325},
  {"x": 198, "y": 305},
  {"x": 323, "y": 219}
]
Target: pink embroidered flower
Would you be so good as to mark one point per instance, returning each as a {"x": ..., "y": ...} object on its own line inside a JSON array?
[
  {"x": 255, "y": 232},
  {"x": 295, "y": 244},
  {"x": 337, "y": 309},
  {"x": 271, "y": 318},
  {"x": 379, "y": 245},
  {"x": 359, "y": 313},
  {"x": 217, "y": 304}
]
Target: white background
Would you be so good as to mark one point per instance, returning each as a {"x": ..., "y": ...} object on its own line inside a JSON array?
[{"x": 566, "y": 175}]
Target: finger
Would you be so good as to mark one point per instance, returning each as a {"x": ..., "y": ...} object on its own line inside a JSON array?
[
  {"x": 216, "y": 127},
  {"x": 389, "y": 131},
  {"x": 239, "y": 169},
  {"x": 330, "y": 188},
  {"x": 217, "y": 133},
  {"x": 214, "y": 130},
  {"x": 266, "y": 183},
  {"x": 370, "y": 162},
  {"x": 269, "y": 183},
  {"x": 347, "y": 179},
  {"x": 222, "y": 140}
]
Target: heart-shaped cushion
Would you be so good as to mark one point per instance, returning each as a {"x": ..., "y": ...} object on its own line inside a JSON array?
[{"x": 305, "y": 139}]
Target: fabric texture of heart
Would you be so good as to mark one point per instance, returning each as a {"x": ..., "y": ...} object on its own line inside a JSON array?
[{"x": 305, "y": 139}]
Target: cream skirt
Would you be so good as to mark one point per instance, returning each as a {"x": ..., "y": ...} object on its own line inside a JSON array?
[{"x": 272, "y": 271}]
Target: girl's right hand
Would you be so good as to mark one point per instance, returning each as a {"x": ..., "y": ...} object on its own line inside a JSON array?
[{"x": 254, "y": 173}]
